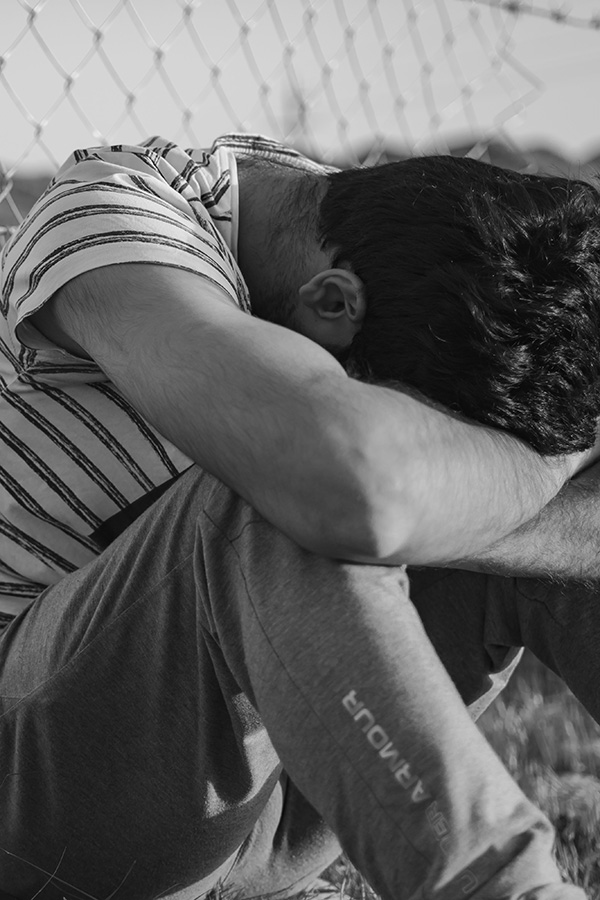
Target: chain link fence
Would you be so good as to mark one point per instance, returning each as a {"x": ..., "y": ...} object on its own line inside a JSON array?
[{"x": 345, "y": 81}]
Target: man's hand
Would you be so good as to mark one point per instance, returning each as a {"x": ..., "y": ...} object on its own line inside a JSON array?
[
  {"x": 562, "y": 541},
  {"x": 346, "y": 469}
]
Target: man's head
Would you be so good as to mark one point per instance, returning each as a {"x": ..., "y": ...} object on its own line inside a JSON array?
[
  {"x": 477, "y": 286},
  {"x": 482, "y": 290}
]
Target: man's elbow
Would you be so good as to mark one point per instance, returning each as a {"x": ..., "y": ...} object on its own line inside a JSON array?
[
  {"x": 356, "y": 499},
  {"x": 372, "y": 522},
  {"x": 378, "y": 535}
]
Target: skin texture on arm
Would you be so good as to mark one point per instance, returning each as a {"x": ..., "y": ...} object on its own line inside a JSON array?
[
  {"x": 344, "y": 468},
  {"x": 562, "y": 541}
]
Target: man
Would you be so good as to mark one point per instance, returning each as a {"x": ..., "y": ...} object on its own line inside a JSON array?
[{"x": 214, "y": 700}]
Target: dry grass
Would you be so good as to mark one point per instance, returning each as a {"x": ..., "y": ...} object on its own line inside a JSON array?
[{"x": 551, "y": 746}]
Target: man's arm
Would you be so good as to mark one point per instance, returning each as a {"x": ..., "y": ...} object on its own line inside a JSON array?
[
  {"x": 344, "y": 468},
  {"x": 562, "y": 541}
]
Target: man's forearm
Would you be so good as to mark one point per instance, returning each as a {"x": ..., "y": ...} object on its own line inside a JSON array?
[
  {"x": 562, "y": 541},
  {"x": 459, "y": 482},
  {"x": 344, "y": 468}
]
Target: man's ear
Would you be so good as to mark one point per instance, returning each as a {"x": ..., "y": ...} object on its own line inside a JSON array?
[{"x": 335, "y": 294}]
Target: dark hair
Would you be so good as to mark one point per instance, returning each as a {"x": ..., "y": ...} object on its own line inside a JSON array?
[{"x": 482, "y": 287}]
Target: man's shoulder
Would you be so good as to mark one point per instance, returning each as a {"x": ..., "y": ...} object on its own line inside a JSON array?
[{"x": 246, "y": 146}]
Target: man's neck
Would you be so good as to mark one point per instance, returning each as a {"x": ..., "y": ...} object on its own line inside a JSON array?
[
  {"x": 260, "y": 192},
  {"x": 278, "y": 248}
]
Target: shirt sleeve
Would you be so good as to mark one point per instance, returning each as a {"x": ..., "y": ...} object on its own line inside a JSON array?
[{"x": 109, "y": 206}]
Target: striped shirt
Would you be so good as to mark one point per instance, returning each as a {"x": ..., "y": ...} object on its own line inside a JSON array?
[{"x": 73, "y": 451}]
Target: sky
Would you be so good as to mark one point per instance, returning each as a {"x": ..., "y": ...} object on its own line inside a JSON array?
[{"x": 325, "y": 74}]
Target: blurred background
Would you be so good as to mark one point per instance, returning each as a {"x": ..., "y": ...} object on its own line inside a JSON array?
[{"x": 348, "y": 82}]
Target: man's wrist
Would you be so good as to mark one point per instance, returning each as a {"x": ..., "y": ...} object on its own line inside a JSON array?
[{"x": 577, "y": 462}]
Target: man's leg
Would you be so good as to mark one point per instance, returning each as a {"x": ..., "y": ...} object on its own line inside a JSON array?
[
  {"x": 132, "y": 765},
  {"x": 477, "y": 622},
  {"x": 560, "y": 624},
  {"x": 470, "y": 621},
  {"x": 150, "y": 699}
]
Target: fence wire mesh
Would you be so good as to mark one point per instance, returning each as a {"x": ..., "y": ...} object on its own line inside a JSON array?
[{"x": 346, "y": 81}]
